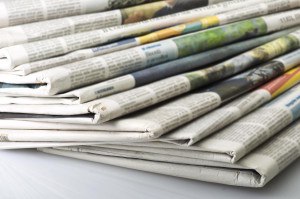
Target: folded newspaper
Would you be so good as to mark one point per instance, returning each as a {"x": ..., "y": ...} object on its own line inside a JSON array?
[
  {"x": 203, "y": 23},
  {"x": 256, "y": 169},
  {"x": 188, "y": 134},
  {"x": 15, "y": 12},
  {"x": 70, "y": 25},
  {"x": 97, "y": 69},
  {"x": 220, "y": 118},
  {"x": 12, "y": 92},
  {"x": 238, "y": 139},
  {"x": 186, "y": 82},
  {"x": 149, "y": 124},
  {"x": 26, "y": 53},
  {"x": 193, "y": 105},
  {"x": 199, "y": 89}
]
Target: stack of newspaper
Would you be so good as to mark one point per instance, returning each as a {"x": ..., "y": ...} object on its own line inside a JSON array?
[{"x": 199, "y": 89}]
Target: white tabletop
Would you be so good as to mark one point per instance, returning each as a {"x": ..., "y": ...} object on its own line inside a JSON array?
[{"x": 28, "y": 174}]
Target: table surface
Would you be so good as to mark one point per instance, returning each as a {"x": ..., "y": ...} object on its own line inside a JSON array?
[{"x": 28, "y": 174}]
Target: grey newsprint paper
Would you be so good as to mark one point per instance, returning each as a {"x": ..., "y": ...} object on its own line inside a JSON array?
[{"x": 254, "y": 170}]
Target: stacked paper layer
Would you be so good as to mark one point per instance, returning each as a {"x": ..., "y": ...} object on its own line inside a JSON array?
[{"x": 200, "y": 89}]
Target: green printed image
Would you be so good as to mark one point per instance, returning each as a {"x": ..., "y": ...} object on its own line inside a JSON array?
[
  {"x": 197, "y": 79},
  {"x": 208, "y": 39},
  {"x": 219, "y": 71},
  {"x": 265, "y": 73},
  {"x": 244, "y": 61},
  {"x": 159, "y": 9},
  {"x": 233, "y": 66},
  {"x": 174, "y": 6},
  {"x": 142, "y": 12},
  {"x": 280, "y": 46},
  {"x": 244, "y": 82},
  {"x": 114, "y": 4}
]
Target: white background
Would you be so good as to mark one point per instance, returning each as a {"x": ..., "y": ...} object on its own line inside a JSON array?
[{"x": 27, "y": 174}]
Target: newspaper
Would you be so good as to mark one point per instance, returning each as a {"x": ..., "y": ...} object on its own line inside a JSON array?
[
  {"x": 70, "y": 25},
  {"x": 151, "y": 123},
  {"x": 204, "y": 23},
  {"x": 146, "y": 156},
  {"x": 98, "y": 69},
  {"x": 251, "y": 131},
  {"x": 238, "y": 139},
  {"x": 26, "y": 53},
  {"x": 15, "y": 12},
  {"x": 136, "y": 99},
  {"x": 252, "y": 11},
  {"x": 34, "y": 145},
  {"x": 220, "y": 118},
  {"x": 108, "y": 108},
  {"x": 72, "y": 136},
  {"x": 148, "y": 125},
  {"x": 123, "y": 83},
  {"x": 258, "y": 167}
]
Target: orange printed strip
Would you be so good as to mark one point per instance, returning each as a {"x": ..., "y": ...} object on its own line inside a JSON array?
[{"x": 284, "y": 82}]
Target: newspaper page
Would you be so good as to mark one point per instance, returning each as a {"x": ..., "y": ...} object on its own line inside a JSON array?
[
  {"x": 222, "y": 19},
  {"x": 269, "y": 159},
  {"x": 202, "y": 173},
  {"x": 259, "y": 167},
  {"x": 33, "y": 145},
  {"x": 72, "y": 136},
  {"x": 94, "y": 70},
  {"x": 204, "y": 23},
  {"x": 220, "y": 118},
  {"x": 155, "y": 122},
  {"x": 26, "y": 33},
  {"x": 176, "y": 155},
  {"x": 127, "y": 82},
  {"x": 219, "y": 149},
  {"x": 193, "y": 152},
  {"x": 16, "y": 12},
  {"x": 130, "y": 101},
  {"x": 114, "y": 106},
  {"x": 125, "y": 153},
  {"x": 243, "y": 136},
  {"x": 25, "y": 53},
  {"x": 151, "y": 124}
]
